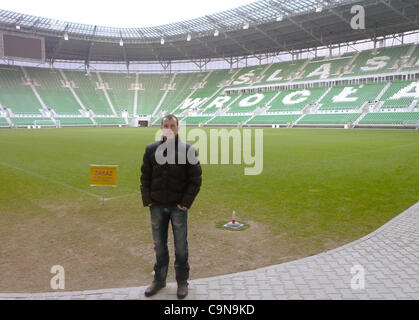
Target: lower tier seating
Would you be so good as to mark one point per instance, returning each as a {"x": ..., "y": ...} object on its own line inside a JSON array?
[
  {"x": 391, "y": 118},
  {"x": 274, "y": 119},
  {"x": 334, "y": 118}
]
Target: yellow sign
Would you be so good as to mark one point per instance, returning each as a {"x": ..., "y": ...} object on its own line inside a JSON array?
[{"x": 103, "y": 175}]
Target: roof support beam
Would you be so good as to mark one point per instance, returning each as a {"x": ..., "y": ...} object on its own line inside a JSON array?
[
  {"x": 184, "y": 54},
  {"x": 309, "y": 32},
  {"x": 124, "y": 52},
  {"x": 58, "y": 45},
  {"x": 89, "y": 50},
  {"x": 200, "y": 41},
  {"x": 400, "y": 13},
  {"x": 348, "y": 22},
  {"x": 279, "y": 45},
  {"x": 221, "y": 27},
  {"x": 201, "y": 63}
]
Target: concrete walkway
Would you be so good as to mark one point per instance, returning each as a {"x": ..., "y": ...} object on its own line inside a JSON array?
[{"x": 387, "y": 259}]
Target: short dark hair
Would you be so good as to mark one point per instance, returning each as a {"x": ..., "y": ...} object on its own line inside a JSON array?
[{"x": 170, "y": 117}]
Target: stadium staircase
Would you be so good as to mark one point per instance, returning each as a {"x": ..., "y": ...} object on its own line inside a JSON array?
[
  {"x": 70, "y": 87},
  {"x": 44, "y": 111},
  {"x": 166, "y": 91},
  {"x": 105, "y": 92}
]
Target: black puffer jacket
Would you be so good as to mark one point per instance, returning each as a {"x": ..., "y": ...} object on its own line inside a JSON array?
[{"x": 170, "y": 184}]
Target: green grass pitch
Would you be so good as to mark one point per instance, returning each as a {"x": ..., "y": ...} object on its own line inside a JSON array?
[{"x": 320, "y": 188}]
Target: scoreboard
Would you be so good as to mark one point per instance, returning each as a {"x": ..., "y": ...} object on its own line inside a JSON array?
[{"x": 22, "y": 46}]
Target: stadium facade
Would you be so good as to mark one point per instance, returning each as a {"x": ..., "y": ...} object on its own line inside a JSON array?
[{"x": 267, "y": 63}]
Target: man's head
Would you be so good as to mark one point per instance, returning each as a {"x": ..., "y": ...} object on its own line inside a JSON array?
[{"x": 170, "y": 126}]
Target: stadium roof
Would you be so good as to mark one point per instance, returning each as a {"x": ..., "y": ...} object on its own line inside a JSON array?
[{"x": 260, "y": 27}]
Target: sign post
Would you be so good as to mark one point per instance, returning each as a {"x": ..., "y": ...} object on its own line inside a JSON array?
[{"x": 103, "y": 175}]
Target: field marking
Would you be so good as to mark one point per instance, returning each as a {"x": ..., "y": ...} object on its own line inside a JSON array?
[
  {"x": 122, "y": 196},
  {"x": 134, "y": 193},
  {"x": 64, "y": 184},
  {"x": 50, "y": 180}
]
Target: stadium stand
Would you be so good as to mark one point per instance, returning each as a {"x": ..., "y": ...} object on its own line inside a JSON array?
[
  {"x": 282, "y": 72},
  {"x": 333, "y": 118},
  {"x": 109, "y": 121},
  {"x": 273, "y": 119},
  {"x": 278, "y": 71},
  {"x": 88, "y": 89},
  {"x": 79, "y": 121},
  {"x": 205, "y": 90},
  {"x": 120, "y": 91},
  {"x": 50, "y": 87},
  {"x": 391, "y": 118},
  {"x": 323, "y": 69},
  {"x": 196, "y": 120},
  {"x": 350, "y": 97},
  {"x": 395, "y": 97},
  {"x": 4, "y": 122},
  {"x": 15, "y": 93},
  {"x": 151, "y": 93},
  {"x": 219, "y": 102},
  {"x": 228, "y": 120},
  {"x": 412, "y": 61},
  {"x": 30, "y": 121},
  {"x": 378, "y": 61},
  {"x": 201, "y": 98},
  {"x": 296, "y": 99},
  {"x": 248, "y": 75},
  {"x": 182, "y": 87},
  {"x": 248, "y": 102}
]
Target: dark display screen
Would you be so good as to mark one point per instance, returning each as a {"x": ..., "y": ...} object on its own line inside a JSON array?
[{"x": 16, "y": 46}]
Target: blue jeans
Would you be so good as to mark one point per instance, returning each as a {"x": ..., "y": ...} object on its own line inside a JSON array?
[{"x": 160, "y": 217}]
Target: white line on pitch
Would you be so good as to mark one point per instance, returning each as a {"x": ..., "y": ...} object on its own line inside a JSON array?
[
  {"x": 122, "y": 196},
  {"x": 50, "y": 180}
]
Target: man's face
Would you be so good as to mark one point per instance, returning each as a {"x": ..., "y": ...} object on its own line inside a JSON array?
[{"x": 169, "y": 128}]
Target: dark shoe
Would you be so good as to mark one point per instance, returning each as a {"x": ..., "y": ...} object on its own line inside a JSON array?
[
  {"x": 154, "y": 288},
  {"x": 182, "y": 290}
]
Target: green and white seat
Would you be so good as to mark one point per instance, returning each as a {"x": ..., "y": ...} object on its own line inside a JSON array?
[
  {"x": 396, "y": 118},
  {"x": 350, "y": 97},
  {"x": 228, "y": 120},
  {"x": 333, "y": 118},
  {"x": 273, "y": 119},
  {"x": 296, "y": 99},
  {"x": 30, "y": 121},
  {"x": 76, "y": 121}
]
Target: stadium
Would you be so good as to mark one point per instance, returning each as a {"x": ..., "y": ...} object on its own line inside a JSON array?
[{"x": 337, "y": 99}]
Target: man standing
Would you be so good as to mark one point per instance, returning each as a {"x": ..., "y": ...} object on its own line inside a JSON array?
[{"x": 170, "y": 181}]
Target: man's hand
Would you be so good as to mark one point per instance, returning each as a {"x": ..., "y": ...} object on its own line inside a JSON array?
[
  {"x": 149, "y": 205},
  {"x": 182, "y": 207}
]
